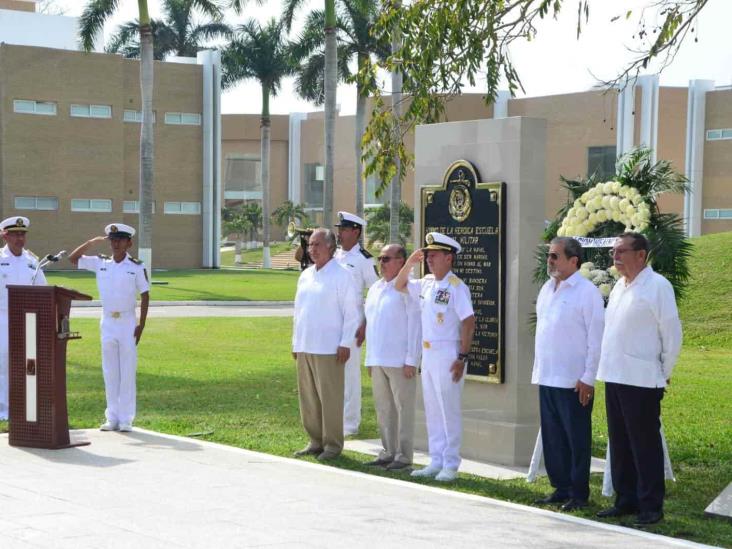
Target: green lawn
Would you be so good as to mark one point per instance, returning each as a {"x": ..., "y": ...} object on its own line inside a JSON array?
[
  {"x": 254, "y": 255},
  {"x": 195, "y": 285}
]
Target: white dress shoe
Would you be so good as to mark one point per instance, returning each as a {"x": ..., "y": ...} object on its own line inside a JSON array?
[
  {"x": 427, "y": 472},
  {"x": 446, "y": 475},
  {"x": 108, "y": 426},
  {"x": 125, "y": 427}
]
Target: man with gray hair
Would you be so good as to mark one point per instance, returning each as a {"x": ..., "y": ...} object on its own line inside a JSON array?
[
  {"x": 393, "y": 330},
  {"x": 569, "y": 324},
  {"x": 326, "y": 317}
]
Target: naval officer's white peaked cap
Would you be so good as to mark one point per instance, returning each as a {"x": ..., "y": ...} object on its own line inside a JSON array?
[
  {"x": 17, "y": 223},
  {"x": 119, "y": 230},
  {"x": 439, "y": 241},
  {"x": 347, "y": 219}
]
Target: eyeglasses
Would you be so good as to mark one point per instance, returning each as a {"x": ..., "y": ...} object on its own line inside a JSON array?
[
  {"x": 385, "y": 258},
  {"x": 620, "y": 251},
  {"x": 553, "y": 256}
]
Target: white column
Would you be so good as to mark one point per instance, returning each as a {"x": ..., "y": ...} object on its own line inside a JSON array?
[
  {"x": 694, "y": 160},
  {"x": 649, "y": 112},
  {"x": 294, "y": 169},
  {"x": 626, "y": 119},
  {"x": 500, "y": 107},
  {"x": 211, "y": 183}
]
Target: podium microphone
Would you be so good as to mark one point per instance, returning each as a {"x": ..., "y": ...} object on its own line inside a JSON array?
[{"x": 55, "y": 258}]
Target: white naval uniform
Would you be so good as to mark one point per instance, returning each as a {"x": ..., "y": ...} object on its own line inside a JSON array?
[
  {"x": 118, "y": 285},
  {"x": 364, "y": 275},
  {"x": 444, "y": 304},
  {"x": 13, "y": 270}
]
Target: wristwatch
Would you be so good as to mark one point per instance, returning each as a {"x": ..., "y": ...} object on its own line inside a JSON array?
[{"x": 463, "y": 356}]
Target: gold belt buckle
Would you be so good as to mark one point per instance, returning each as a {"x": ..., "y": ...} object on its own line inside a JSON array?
[
  {"x": 426, "y": 344},
  {"x": 116, "y": 314}
]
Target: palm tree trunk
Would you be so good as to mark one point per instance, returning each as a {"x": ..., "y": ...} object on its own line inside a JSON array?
[
  {"x": 147, "y": 150},
  {"x": 237, "y": 249},
  {"x": 264, "y": 167},
  {"x": 396, "y": 100},
  {"x": 360, "y": 124},
  {"x": 330, "y": 108}
]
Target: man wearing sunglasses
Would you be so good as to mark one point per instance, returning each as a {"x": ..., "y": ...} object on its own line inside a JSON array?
[
  {"x": 360, "y": 263},
  {"x": 640, "y": 346},
  {"x": 448, "y": 324},
  {"x": 569, "y": 322},
  {"x": 393, "y": 332}
]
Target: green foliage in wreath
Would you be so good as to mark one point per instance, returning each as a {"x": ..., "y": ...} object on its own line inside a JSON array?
[{"x": 599, "y": 209}]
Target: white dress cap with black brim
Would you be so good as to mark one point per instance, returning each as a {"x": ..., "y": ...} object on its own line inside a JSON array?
[
  {"x": 119, "y": 230},
  {"x": 346, "y": 219},
  {"x": 16, "y": 224},
  {"x": 439, "y": 241}
]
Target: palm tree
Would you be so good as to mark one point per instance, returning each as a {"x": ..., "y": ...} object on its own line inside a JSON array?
[
  {"x": 379, "y": 225},
  {"x": 177, "y": 33},
  {"x": 253, "y": 212},
  {"x": 262, "y": 53},
  {"x": 237, "y": 223},
  {"x": 330, "y": 85},
  {"x": 356, "y": 18},
  {"x": 289, "y": 211}
]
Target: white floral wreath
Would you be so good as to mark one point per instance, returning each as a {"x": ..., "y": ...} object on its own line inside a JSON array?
[{"x": 611, "y": 201}]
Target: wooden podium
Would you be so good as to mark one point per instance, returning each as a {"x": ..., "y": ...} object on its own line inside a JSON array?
[{"x": 38, "y": 324}]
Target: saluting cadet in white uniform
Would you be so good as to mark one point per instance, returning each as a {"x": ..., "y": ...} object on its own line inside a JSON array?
[
  {"x": 119, "y": 279},
  {"x": 17, "y": 266},
  {"x": 350, "y": 254},
  {"x": 448, "y": 323}
]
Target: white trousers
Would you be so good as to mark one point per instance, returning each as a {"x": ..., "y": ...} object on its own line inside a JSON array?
[
  {"x": 442, "y": 404},
  {"x": 119, "y": 366},
  {"x": 352, "y": 391},
  {"x": 4, "y": 366}
]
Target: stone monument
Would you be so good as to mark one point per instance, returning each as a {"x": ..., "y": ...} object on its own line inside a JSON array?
[{"x": 483, "y": 182}]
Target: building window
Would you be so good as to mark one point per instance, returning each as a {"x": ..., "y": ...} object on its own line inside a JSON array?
[
  {"x": 91, "y": 111},
  {"x": 722, "y": 213},
  {"x": 134, "y": 116},
  {"x": 91, "y": 205},
  {"x": 601, "y": 162},
  {"x": 27, "y": 106},
  {"x": 372, "y": 201},
  {"x": 242, "y": 178},
  {"x": 313, "y": 186},
  {"x": 133, "y": 206},
  {"x": 717, "y": 135},
  {"x": 36, "y": 203},
  {"x": 183, "y": 208},
  {"x": 183, "y": 118}
]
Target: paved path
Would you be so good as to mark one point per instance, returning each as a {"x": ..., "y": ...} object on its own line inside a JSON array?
[
  {"x": 147, "y": 490},
  {"x": 159, "y": 310}
]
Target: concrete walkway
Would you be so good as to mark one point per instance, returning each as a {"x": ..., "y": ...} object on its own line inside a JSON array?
[
  {"x": 148, "y": 490},
  {"x": 163, "y": 309}
]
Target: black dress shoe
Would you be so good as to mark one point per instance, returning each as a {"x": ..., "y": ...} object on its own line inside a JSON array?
[
  {"x": 398, "y": 466},
  {"x": 552, "y": 499},
  {"x": 574, "y": 504},
  {"x": 612, "y": 512},
  {"x": 378, "y": 462},
  {"x": 648, "y": 517},
  {"x": 308, "y": 451}
]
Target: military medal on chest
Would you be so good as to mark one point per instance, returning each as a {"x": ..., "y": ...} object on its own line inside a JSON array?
[{"x": 440, "y": 318}]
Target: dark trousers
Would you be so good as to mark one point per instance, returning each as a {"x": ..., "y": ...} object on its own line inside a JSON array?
[
  {"x": 636, "y": 452},
  {"x": 566, "y": 434}
]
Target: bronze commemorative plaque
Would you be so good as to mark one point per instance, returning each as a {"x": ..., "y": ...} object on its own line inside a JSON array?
[{"x": 473, "y": 213}]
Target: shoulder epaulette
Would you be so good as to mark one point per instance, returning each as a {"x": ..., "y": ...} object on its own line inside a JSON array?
[
  {"x": 102, "y": 256},
  {"x": 136, "y": 261},
  {"x": 454, "y": 281},
  {"x": 34, "y": 256},
  {"x": 366, "y": 253}
]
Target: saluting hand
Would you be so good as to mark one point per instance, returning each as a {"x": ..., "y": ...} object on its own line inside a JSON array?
[{"x": 416, "y": 257}]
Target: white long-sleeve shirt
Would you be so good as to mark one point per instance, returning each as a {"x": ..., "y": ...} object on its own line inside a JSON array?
[
  {"x": 642, "y": 337},
  {"x": 393, "y": 327},
  {"x": 569, "y": 322},
  {"x": 326, "y": 310}
]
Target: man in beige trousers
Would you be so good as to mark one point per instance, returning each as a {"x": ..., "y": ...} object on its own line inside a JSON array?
[
  {"x": 326, "y": 317},
  {"x": 393, "y": 328}
]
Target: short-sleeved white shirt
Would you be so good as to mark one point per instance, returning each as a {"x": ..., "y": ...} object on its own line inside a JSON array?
[
  {"x": 118, "y": 283},
  {"x": 444, "y": 303},
  {"x": 17, "y": 269}
]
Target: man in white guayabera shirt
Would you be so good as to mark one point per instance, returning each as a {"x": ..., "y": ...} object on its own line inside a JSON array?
[
  {"x": 327, "y": 314},
  {"x": 393, "y": 334},
  {"x": 640, "y": 346},
  {"x": 569, "y": 320}
]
